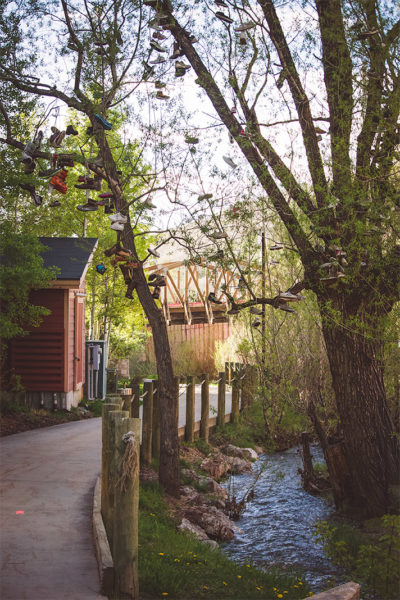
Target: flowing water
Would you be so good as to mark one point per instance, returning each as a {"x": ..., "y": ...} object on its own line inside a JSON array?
[{"x": 277, "y": 524}]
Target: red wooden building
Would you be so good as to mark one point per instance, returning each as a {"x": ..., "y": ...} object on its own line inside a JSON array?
[{"x": 51, "y": 360}]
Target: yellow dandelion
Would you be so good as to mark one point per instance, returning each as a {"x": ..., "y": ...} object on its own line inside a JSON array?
[
  {"x": 280, "y": 595},
  {"x": 275, "y": 589},
  {"x": 224, "y": 583},
  {"x": 258, "y": 588},
  {"x": 248, "y": 566},
  {"x": 239, "y": 577},
  {"x": 177, "y": 560},
  {"x": 152, "y": 515},
  {"x": 188, "y": 563},
  {"x": 205, "y": 587},
  {"x": 300, "y": 582},
  {"x": 161, "y": 554},
  {"x": 295, "y": 586}
]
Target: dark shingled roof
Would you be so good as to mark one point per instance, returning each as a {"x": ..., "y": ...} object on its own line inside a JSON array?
[{"x": 70, "y": 255}]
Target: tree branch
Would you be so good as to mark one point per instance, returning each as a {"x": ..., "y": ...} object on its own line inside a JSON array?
[
  {"x": 246, "y": 146},
  {"x": 301, "y": 102},
  {"x": 337, "y": 66}
]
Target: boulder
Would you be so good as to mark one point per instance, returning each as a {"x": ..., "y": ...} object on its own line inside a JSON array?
[
  {"x": 246, "y": 453},
  {"x": 213, "y": 521},
  {"x": 190, "y": 494},
  {"x": 215, "y": 465},
  {"x": 190, "y": 474},
  {"x": 250, "y": 454},
  {"x": 232, "y": 450},
  {"x": 212, "y": 487},
  {"x": 238, "y": 465},
  {"x": 195, "y": 530}
]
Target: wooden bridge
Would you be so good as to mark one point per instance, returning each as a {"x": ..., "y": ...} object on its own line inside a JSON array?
[{"x": 185, "y": 297}]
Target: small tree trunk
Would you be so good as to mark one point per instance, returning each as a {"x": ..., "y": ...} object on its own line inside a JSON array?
[
  {"x": 156, "y": 423},
  {"x": 338, "y": 470},
  {"x": 371, "y": 449},
  {"x": 147, "y": 422}
]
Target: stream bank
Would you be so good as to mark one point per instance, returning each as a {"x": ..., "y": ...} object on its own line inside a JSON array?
[{"x": 277, "y": 525}]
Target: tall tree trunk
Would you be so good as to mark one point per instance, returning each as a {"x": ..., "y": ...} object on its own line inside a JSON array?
[
  {"x": 169, "y": 443},
  {"x": 371, "y": 449}
]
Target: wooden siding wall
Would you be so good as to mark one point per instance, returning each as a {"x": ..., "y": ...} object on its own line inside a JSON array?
[
  {"x": 38, "y": 358},
  {"x": 193, "y": 343}
]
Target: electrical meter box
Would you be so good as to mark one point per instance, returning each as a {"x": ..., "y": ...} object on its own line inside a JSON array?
[{"x": 96, "y": 373}]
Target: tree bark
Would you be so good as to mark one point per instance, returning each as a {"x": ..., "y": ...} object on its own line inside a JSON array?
[
  {"x": 169, "y": 443},
  {"x": 370, "y": 447},
  {"x": 335, "y": 460}
]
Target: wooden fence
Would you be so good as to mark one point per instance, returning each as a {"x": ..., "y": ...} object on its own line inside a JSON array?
[
  {"x": 242, "y": 380},
  {"x": 121, "y": 448}
]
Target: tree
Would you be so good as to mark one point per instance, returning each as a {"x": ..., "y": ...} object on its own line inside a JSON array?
[
  {"x": 342, "y": 217},
  {"x": 334, "y": 190},
  {"x": 92, "y": 42}
]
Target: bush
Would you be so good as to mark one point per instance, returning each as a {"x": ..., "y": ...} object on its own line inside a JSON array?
[
  {"x": 247, "y": 432},
  {"x": 372, "y": 561}
]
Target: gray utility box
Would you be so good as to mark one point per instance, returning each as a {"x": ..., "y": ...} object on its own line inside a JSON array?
[{"x": 96, "y": 362}]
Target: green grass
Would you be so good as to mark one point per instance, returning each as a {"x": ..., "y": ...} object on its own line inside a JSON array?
[
  {"x": 175, "y": 565},
  {"x": 246, "y": 433}
]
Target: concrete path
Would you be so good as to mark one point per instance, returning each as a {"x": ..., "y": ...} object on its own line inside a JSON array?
[{"x": 47, "y": 553}]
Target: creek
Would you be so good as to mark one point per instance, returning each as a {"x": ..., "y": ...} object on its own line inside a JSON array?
[{"x": 277, "y": 524}]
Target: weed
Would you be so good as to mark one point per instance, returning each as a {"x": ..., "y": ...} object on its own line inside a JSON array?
[
  {"x": 367, "y": 558},
  {"x": 247, "y": 432},
  {"x": 321, "y": 469}
]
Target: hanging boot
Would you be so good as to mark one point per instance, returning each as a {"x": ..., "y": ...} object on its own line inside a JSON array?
[
  {"x": 37, "y": 200},
  {"x": 90, "y": 206}
]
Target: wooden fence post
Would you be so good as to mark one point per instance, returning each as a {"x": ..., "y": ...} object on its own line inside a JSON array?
[
  {"x": 190, "y": 406},
  {"x": 177, "y": 382},
  {"x": 113, "y": 416},
  {"x": 253, "y": 381},
  {"x": 126, "y": 509},
  {"x": 235, "y": 397},
  {"x": 221, "y": 399},
  {"x": 205, "y": 406},
  {"x": 245, "y": 388},
  {"x": 135, "y": 403},
  {"x": 156, "y": 421},
  {"x": 106, "y": 455},
  {"x": 227, "y": 372},
  {"x": 147, "y": 425}
]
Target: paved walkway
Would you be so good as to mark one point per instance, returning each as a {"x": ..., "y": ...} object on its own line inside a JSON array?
[{"x": 47, "y": 553}]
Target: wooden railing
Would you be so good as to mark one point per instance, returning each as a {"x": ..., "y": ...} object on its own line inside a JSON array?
[{"x": 237, "y": 384}]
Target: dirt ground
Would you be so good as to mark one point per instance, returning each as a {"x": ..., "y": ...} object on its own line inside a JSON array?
[{"x": 17, "y": 422}]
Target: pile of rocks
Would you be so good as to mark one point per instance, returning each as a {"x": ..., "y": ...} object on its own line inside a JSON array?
[{"x": 203, "y": 512}]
